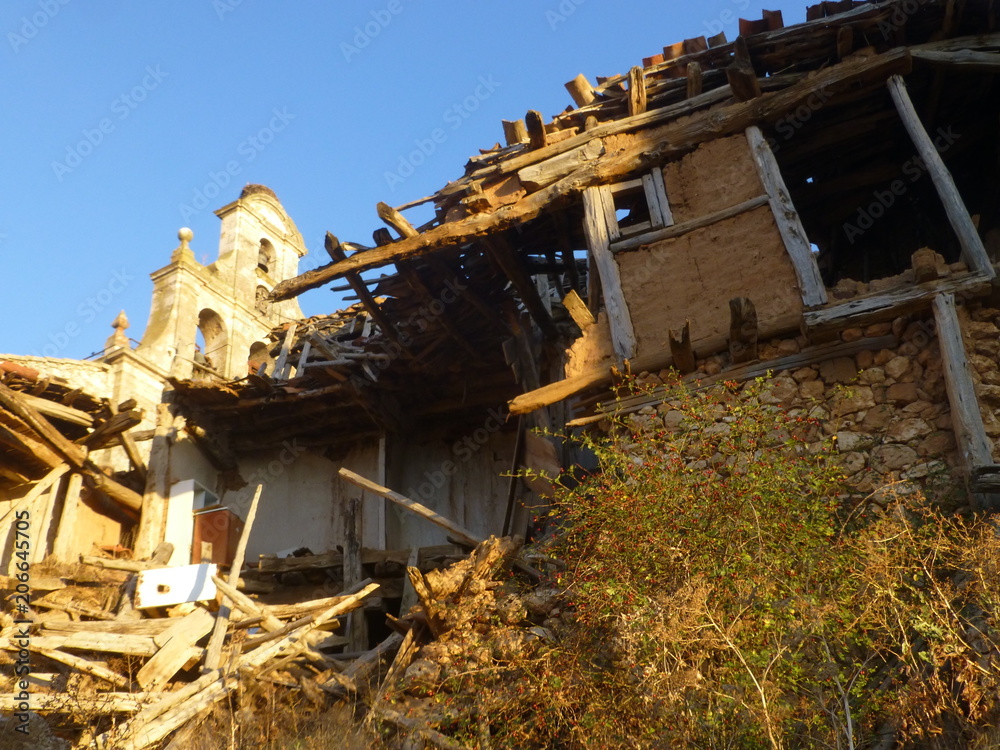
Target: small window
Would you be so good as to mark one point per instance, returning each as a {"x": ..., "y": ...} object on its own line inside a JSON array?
[{"x": 637, "y": 206}]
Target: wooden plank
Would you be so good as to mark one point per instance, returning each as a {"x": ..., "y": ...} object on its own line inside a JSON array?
[
  {"x": 151, "y": 627},
  {"x": 960, "y": 61},
  {"x": 262, "y": 613},
  {"x": 793, "y": 234},
  {"x": 41, "y": 521},
  {"x": 175, "y": 645},
  {"x": 545, "y": 173},
  {"x": 637, "y": 99},
  {"x": 596, "y": 229},
  {"x": 58, "y": 411},
  {"x": 887, "y": 305},
  {"x": 973, "y": 444},
  {"x": 674, "y": 139},
  {"x": 421, "y": 510},
  {"x": 280, "y": 366},
  {"x": 973, "y": 252},
  {"x": 105, "y": 642},
  {"x": 82, "y": 665},
  {"x": 99, "y": 704},
  {"x": 213, "y": 657},
  {"x": 578, "y": 310}
]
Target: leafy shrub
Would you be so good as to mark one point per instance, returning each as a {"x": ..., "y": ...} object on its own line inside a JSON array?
[{"x": 720, "y": 594}]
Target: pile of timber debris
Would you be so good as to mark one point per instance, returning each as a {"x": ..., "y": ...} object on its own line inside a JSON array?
[{"x": 108, "y": 672}]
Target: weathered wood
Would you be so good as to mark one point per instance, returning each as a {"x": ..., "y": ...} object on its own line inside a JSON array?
[
  {"x": 793, "y": 234},
  {"x": 175, "y": 645},
  {"x": 74, "y": 454},
  {"x": 888, "y": 305},
  {"x": 637, "y": 99},
  {"x": 262, "y": 613},
  {"x": 507, "y": 259},
  {"x": 409, "y": 594},
  {"x": 110, "y": 642},
  {"x": 545, "y": 173},
  {"x": 281, "y": 364},
  {"x": 973, "y": 445},
  {"x": 973, "y": 252},
  {"x": 42, "y": 485},
  {"x": 99, "y": 704},
  {"x": 673, "y": 139},
  {"x": 743, "y": 330},
  {"x": 151, "y": 627},
  {"x": 416, "y": 728},
  {"x": 412, "y": 505},
  {"x": 604, "y": 375},
  {"x": 681, "y": 351},
  {"x": 535, "y": 124},
  {"x": 358, "y": 630},
  {"x": 156, "y": 495},
  {"x": 514, "y": 132},
  {"x": 741, "y": 75},
  {"x": 346, "y": 681},
  {"x": 578, "y": 310},
  {"x": 133, "y": 566},
  {"x": 596, "y": 230},
  {"x": 112, "y": 428},
  {"x": 960, "y": 61},
  {"x": 82, "y": 665},
  {"x": 58, "y": 411},
  {"x": 213, "y": 656},
  {"x": 336, "y": 252},
  {"x": 581, "y": 90},
  {"x": 396, "y": 220},
  {"x": 695, "y": 80}
]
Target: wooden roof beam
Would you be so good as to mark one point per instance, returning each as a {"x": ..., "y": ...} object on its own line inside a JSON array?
[
  {"x": 506, "y": 257},
  {"x": 673, "y": 139},
  {"x": 336, "y": 252}
]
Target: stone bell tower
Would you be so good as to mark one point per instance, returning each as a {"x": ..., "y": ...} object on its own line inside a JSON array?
[{"x": 225, "y": 302}]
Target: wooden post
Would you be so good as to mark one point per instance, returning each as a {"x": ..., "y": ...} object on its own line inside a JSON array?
[
  {"x": 535, "y": 124},
  {"x": 514, "y": 131},
  {"x": 63, "y": 547},
  {"x": 636, "y": 91},
  {"x": 695, "y": 81},
  {"x": 358, "y": 631},
  {"x": 581, "y": 91},
  {"x": 680, "y": 350},
  {"x": 793, "y": 234},
  {"x": 213, "y": 657},
  {"x": 743, "y": 330},
  {"x": 973, "y": 252},
  {"x": 156, "y": 498},
  {"x": 973, "y": 444},
  {"x": 596, "y": 229}
]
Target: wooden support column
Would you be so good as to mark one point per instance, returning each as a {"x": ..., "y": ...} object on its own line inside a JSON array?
[
  {"x": 156, "y": 498},
  {"x": 353, "y": 573},
  {"x": 793, "y": 234},
  {"x": 973, "y": 444},
  {"x": 65, "y": 542},
  {"x": 973, "y": 252},
  {"x": 596, "y": 229}
]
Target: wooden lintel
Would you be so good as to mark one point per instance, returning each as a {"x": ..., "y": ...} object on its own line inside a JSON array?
[
  {"x": 793, "y": 234},
  {"x": 973, "y": 252},
  {"x": 973, "y": 444}
]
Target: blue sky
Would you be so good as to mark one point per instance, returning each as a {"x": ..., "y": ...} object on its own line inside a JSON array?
[{"x": 127, "y": 120}]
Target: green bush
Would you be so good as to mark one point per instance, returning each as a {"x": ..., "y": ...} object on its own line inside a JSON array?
[{"x": 720, "y": 593}]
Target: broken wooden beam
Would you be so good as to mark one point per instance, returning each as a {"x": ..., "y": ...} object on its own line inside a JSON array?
[
  {"x": 581, "y": 90},
  {"x": 637, "y": 99},
  {"x": 507, "y": 259},
  {"x": 674, "y": 138},
  {"x": 973, "y": 252},
  {"x": 535, "y": 124}
]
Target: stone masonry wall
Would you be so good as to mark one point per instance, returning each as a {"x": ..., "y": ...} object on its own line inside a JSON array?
[{"x": 887, "y": 409}]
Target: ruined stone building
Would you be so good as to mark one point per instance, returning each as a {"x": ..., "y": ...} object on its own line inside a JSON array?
[{"x": 819, "y": 201}]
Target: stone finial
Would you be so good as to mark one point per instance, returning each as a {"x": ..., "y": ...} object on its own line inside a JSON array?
[
  {"x": 183, "y": 251},
  {"x": 118, "y": 339}
]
